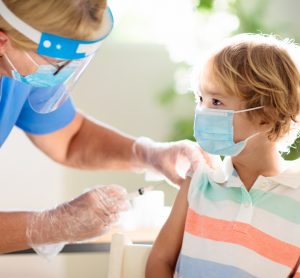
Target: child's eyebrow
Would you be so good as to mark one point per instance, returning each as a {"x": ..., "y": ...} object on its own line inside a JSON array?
[
  {"x": 212, "y": 93},
  {"x": 215, "y": 94}
]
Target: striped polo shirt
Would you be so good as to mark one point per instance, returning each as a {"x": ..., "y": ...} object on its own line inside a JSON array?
[{"x": 232, "y": 232}]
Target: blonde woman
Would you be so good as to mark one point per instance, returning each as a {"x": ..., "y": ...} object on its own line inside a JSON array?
[
  {"x": 242, "y": 219},
  {"x": 44, "y": 47}
]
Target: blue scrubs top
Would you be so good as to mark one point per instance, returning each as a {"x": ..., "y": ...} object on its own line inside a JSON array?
[{"x": 15, "y": 110}]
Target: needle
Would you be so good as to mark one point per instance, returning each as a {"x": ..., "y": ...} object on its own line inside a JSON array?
[{"x": 139, "y": 192}]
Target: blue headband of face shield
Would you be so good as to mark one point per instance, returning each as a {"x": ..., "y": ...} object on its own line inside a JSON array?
[
  {"x": 56, "y": 85},
  {"x": 55, "y": 46}
]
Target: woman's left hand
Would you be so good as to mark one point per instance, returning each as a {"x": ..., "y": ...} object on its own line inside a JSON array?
[{"x": 172, "y": 159}]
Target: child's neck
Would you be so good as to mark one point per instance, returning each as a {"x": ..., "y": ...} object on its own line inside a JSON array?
[{"x": 262, "y": 161}]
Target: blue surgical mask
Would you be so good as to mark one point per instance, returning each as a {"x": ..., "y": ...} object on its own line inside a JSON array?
[
  {"x": 213, "y": 130},
  {"x": 45, "y": 75}
]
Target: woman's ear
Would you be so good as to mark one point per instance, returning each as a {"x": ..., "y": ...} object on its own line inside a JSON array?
[{"x": 3, "y": 42}]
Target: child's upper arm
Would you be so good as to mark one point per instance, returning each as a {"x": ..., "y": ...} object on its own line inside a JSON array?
[{"x": 168, "y": 243}]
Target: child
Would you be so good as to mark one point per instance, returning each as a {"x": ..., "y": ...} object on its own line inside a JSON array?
[{"x": 241, "y": 219}]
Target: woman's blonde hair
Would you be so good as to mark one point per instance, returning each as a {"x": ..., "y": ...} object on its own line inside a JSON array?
[
  {"x": 263, "y": 71},
  {"x": 77, "y": 19}
]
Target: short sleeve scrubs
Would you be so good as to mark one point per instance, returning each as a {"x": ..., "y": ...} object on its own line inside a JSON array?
[{"x": 15, "y": 110}]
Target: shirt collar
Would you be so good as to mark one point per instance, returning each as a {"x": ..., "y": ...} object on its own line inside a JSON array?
[
  {"x": 290, "y": 176},
  {"x": 225, "y": 173}
]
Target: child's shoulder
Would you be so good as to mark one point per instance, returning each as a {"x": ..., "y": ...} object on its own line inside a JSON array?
[
  {"x": 204, "y": 176},
  {"x": 215, "y": 173},
  {"x": 290, "y": 176}
]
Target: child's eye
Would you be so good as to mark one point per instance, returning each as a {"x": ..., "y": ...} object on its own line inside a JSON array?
[
  {"x": 216, "y": 102},
  {"x": 200, "y": 99}
]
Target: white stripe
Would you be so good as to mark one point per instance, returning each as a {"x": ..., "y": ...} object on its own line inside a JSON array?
[
  {"x": 262, "y": 220},
  {"x": 225, "y": 210},
  {"x": 233, "y": 255},
  {"x": 284, "y": 191},
  {"x": 88, "y": 48},
  {"x": 276, "y": 227}
]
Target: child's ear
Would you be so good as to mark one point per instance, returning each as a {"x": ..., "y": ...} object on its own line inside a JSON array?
[
  {"x": 263, "y": 122},
  {"x": 265, "y": 126}
]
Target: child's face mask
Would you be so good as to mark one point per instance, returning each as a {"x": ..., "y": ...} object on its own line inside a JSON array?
[{"x": 213, "y": 130}]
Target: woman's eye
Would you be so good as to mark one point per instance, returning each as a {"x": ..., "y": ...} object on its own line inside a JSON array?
[
  {"x": 200, "y": 99},
  {"x": 216, "y": 102}
]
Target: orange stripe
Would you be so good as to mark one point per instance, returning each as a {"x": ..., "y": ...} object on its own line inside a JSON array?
[
  {"x": 297, "y": 275},
  {"x": 244, "y": 235}
]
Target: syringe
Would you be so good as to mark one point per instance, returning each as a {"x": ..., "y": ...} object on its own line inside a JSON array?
[{"x": 139, "y": 192}]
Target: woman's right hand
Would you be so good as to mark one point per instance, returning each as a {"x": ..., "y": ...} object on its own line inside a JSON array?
[{"x": 87, "y": 216}]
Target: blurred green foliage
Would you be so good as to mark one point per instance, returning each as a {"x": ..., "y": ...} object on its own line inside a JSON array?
[
  {"x": 167, "y": 96},
  {"x": 204, "y": 4},
  {"x": 250, "y": 22},
  {"x": 294, "y": 152},
  {"x": 182, "y": 127}
]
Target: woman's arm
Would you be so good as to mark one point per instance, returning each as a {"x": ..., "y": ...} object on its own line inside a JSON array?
[
  {"x": 87, "y": 216},
  {"x": 13, "y": 231},
  {"x": 164, "y": 254},
  {"x": 87, "y": 144}
]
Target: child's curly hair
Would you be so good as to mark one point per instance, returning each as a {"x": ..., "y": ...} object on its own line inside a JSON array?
[{"x": 263, "y": 71}]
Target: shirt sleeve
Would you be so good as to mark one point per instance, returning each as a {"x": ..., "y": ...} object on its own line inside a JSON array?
[
  {"x": 37, "y": 123},
  {"x": 199, "y": 180}
]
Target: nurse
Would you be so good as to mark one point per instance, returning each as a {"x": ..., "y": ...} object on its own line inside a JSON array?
[{"x": 44, "y": 48}]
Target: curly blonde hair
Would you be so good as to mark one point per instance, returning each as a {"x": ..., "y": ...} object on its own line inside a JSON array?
[
  {"x": 77, "y": 19},
  {"x": 263, "y": 70}
]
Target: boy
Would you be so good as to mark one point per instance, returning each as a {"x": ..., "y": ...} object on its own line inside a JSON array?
[{"x": 241, "y": 219}]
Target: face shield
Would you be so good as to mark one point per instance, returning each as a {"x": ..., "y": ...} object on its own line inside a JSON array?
[
  {"x": 51, "y": 98},
  {"x": 71, "y": 58}
]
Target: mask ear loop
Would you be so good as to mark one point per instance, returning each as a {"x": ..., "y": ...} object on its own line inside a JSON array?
[
  {"x": 251, "y": 136},
  {"x": 246, "y": 110},
  {"x": 12, "y": 65},
  {"x": 10, "y": 62},
  {"x": 249, "y": 109},
  {"x": 31, "y": 59}
]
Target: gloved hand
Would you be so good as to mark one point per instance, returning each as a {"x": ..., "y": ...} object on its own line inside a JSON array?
[
  {"x": 174, "y": 159},
  {"x": 87, "y": 216}
]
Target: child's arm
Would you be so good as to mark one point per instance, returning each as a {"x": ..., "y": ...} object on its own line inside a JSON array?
[{"x": 163, "y": 256}]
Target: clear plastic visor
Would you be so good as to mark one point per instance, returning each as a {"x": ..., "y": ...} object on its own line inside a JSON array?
[{"x": 51, "y": 98}]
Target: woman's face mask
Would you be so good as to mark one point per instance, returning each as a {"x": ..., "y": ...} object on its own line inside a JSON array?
[
  {"x": 54, "y": 80},
  {"x": 46, "y": 75},
  {"x": 213, "y": 130}
]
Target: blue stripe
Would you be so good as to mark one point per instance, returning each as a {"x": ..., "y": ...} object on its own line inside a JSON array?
[{"x": 188, "y": 267}]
